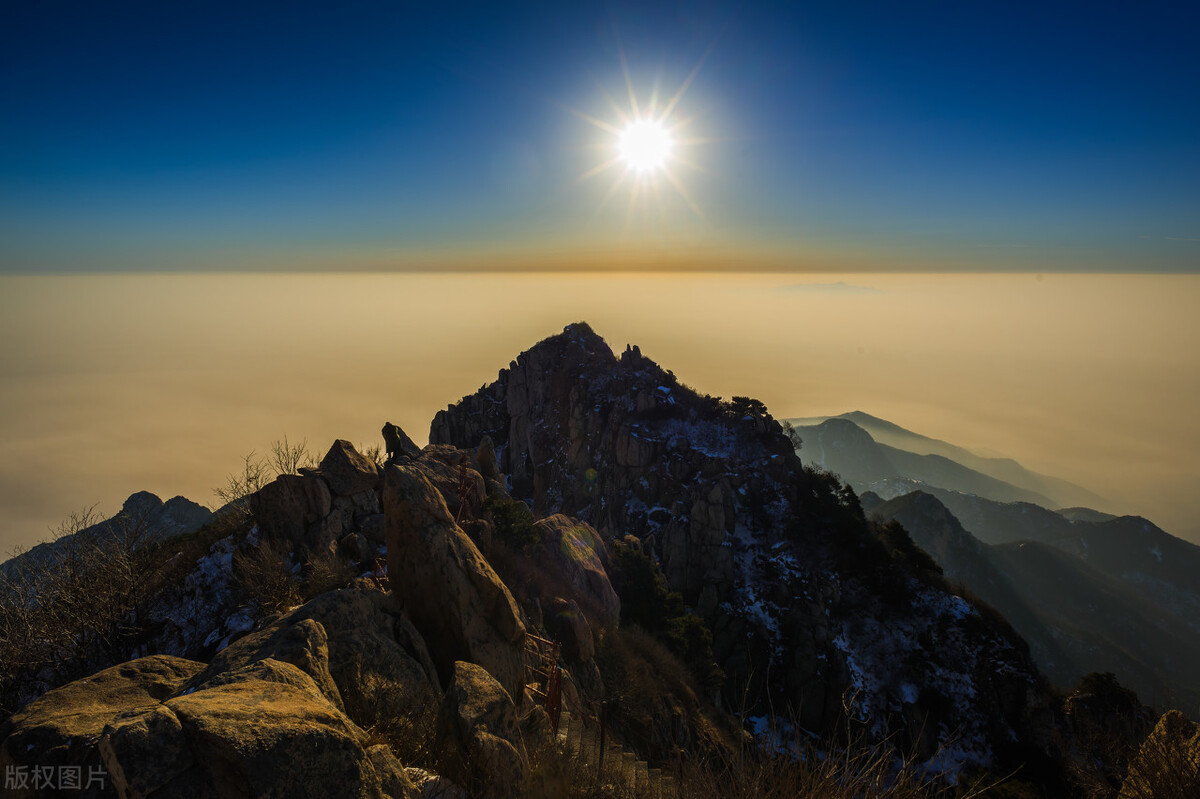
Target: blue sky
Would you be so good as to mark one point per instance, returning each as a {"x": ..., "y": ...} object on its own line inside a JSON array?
[{"x": 831, "y": 136}]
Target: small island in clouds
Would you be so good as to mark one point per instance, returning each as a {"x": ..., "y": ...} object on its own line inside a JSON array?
[{"x": 889, "y": 327}]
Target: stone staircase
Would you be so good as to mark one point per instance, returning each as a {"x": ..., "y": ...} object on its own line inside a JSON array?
[{"x": 580, "y": 741}]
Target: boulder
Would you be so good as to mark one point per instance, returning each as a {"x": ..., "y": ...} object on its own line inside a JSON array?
[
  {"x": 300, "y": 642},
  {"x": 61, "y": 727},
  {"x": 248, "y": 737},
  {"x": 350, "y": 642},
  {"x": 356, "y": 547},
  {"x": 265, "y": 729},
  {"x": 443, "y": 466},
  {"x": 449, "y": 591},
  {"x": 478, "y": 733},
  {"x": 576, "y": 552},
  {"x": 372, "y": 645},
  {"x": 346, "y": 471},
  {"x": 489, "y": 467},
  {"x": 394, "y": 780},
  {"x": 288, "y": 507}
]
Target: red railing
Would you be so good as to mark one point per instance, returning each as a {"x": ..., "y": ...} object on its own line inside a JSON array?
[{"x": 543, "y": 677}]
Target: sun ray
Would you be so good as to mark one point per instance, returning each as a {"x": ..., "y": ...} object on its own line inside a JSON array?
[
  {"x": 600, "y": 123},
  {"x": 612, "y": 103},
  {"x": 703, "y": 140},
  {"x": 612, "y": 191},
  {"x": 690, "y": 164},
  {"x": 683, "y": 123},
  {"x": 687, "y": 82},
  {"x": 653, "y": 104},
  {"x": 633, "y": 103},
  {"x": 596, "y": 170},
  {"x": 687, "y": 198},
  {"x": 646, "y": 143}
]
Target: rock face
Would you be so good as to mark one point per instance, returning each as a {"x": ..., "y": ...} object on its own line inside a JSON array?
[
  {"x": 777, "y": 560},
  {"x": 454, "y": 598},
  {"x": 576, "y": 552},
  {"x": 478, "y": 733}
]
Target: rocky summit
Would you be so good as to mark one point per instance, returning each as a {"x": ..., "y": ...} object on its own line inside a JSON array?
[
  {"x": 809, "y": 611},
  {"x": 593, "y": 581}
]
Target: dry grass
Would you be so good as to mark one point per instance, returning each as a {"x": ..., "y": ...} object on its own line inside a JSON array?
[
  {"x": 386, "y": 711},
  {"x": 854, "y": 772}
]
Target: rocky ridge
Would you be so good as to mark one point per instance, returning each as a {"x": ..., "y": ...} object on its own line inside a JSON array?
[{"x": 776, "y": 559}]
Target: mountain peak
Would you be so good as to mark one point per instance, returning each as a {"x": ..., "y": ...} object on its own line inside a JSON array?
[{"x": 576, "y": 338}]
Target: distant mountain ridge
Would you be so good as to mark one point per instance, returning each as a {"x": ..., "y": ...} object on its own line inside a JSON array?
[
  {"x": 846, "y": 449},
  {"x": 1087, "y": 589},
  {"x": 1078, "y": 614},
  {"x": 1055, "y": 491},
  {"x": 154, "y": 519}
]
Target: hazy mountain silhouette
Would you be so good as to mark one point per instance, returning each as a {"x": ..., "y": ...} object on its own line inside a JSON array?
[
  {"x": 1054, "y": 492},
  {"x": 846, "y": 449}
]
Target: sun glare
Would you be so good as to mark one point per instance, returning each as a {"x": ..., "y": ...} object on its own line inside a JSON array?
[
  {"x": 648, "y": 143},
  {"x": 644, "y": 145}
]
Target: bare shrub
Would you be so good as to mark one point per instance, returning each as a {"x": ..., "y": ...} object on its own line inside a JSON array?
[
  {"x": 1168, "y": 762},
  {"x": 286, "y": 458},
  {"x": 373, "y": 453},
  {"x": 325, "y": 572},
  {"x": 263, "y": 575},
  {"x": 825, "y": 770},
  {"x": 77, "y": 606},
  {"x": 254, "y": 475},
  {"x": 257, "y": 471}
]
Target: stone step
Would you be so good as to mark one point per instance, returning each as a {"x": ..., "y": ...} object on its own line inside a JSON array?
[
  {"x": 575, "y": 737},
  {"x": 654, "y": 777},
  {"x": 564, "y": 725}
]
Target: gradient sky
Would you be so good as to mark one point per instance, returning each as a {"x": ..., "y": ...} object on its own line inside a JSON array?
[{"x": 858, "y": 136}]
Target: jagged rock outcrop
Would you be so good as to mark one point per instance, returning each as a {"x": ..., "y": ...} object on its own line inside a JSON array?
[
  {"x": 318, "y": 507},
  {"x": 478, "y": 733},
  {"x": 346, "y": 471},
  {"x": 489, "y": 467},
  {"x": 778, "y": 561},
  {"x": 447, "y": 588},
  {"x": 575, "y": 552}
]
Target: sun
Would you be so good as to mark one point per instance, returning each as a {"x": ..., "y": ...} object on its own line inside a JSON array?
[
  {"x": 644, "y": 145},
  {"x": 644, "y": 153}
]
